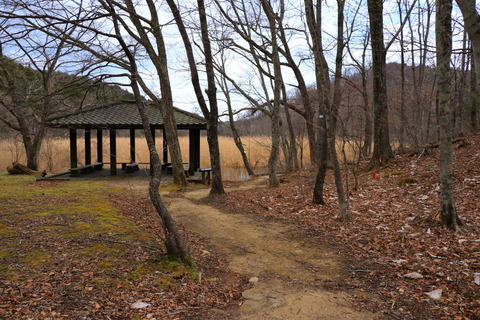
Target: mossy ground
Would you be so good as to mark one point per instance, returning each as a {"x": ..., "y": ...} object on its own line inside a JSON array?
[{"x": 66, "y": 244}]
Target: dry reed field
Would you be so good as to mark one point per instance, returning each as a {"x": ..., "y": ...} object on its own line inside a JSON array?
[{"x": 55, "y": 157}]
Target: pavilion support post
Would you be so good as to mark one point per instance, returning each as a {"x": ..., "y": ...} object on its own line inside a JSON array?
[
  {"x": 113, "y": 152},
  {"x": 73, "y": 148},
  {"x": 132, "y": 146},
  {"x": 99, "y": 145},
  {"x": 194, "y": 150},
  {"x": 165, "y": 147},
  {"x": 88, "y": 147}
]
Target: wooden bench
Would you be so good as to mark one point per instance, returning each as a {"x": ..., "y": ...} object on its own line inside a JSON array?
[
  {"x": 86, "y": 169},
  {"x": 206, "y": 175}
]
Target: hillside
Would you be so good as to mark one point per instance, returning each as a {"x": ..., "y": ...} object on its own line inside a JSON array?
[{"x": 23, "y": 89}]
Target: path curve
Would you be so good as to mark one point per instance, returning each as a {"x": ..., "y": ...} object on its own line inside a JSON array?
[{"x": 288, "y": 272}]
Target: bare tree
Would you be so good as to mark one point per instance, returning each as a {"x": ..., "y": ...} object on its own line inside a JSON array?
[
  {"x": 148, "y": 33},
  {"x": 111, "y": 45},
  {"x": 210, "y": 112},
  {"x": 448, "y": 212},
  {"x": 471, "y": 17},
  {"x": 382, "y": 150},
  {"x": 220, "y": 65},
  {"x": 314, "y": 18},
  {"x": 258, "y": 25},
  {"x": 32, "y": 93}
]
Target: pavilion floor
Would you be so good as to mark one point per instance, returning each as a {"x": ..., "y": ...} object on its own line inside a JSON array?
[{"x": 104, "y": 175}]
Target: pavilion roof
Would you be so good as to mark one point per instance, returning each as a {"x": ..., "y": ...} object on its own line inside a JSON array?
[{"x": 123, "y": 115}]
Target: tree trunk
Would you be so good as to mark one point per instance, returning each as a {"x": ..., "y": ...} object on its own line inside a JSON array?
[
  {"x": 158, "y": 55},
  {"x": 321, "y": 174},
  {"x": 273, "y": 159},
  {"x": 403, "y": 120},
  {"x": 292, "y": 147},
  {"x": 474, "y": 98},
  {"x": 332, "y": 114},
  {"x": 236, "y": 136},
  {"x": 382, "y": 151},
  {"x": 309, "y": 114},
  {"x": 471, "y": 19},
  {"x": 212, "y": 129},
  {"x": 323, "y": 89},
  {"x": 448, "y": 213},
  {"x": 32, "y": 147},
  {"x": 173, "y": 240},
  {"x": 210, "y": 113}
]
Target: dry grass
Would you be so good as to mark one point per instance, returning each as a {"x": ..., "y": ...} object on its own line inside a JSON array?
[{"x": 55, "y": 156}]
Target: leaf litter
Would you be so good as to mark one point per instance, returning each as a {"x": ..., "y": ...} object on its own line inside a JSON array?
[
  {"x": 72, "y": 251},
  {"x": 394, "y": 246}
]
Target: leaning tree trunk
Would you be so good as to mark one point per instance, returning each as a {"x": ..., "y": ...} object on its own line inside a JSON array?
[
  {"x": 236, "y": 137},
  {"x": 173, "y": 240},
  {"x": 448, "y": 213}
]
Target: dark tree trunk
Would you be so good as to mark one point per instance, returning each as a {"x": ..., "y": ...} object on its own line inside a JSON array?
[
  {"x": 314, "y": 17},
  {"x": 474, "y": 97},
  {"x": 443, "y": 27},
  {"x": 382, "y": 151},
  {"x": 158, "y": 55},
  {"x": 173, "y": 239},
  {"x": 321, "y": 171},
  {"x": 471, "y": 18},
  {"x": 210, "y": 113}
]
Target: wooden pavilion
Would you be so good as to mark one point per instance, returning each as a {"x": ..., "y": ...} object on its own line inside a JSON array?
[{"x": 124, "y": 115}]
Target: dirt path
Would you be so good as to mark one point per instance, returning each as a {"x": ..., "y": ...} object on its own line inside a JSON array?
[{"x": 288, "y": 273}]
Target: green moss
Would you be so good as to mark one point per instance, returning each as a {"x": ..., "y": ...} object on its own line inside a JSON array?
[
  {"x": 168, "y": 272},
  {"x": 403, "y": 182},
  {"x": 36, "y": 259},
  {"x": 10, "y": 273},
  {"x": 102, "y": 249},
  {"x": 4, "y": 229},
  {"x": 393, "y": 173},
  {"x": 4, "y": 254},
  {"x": 65, "y": 215},
  {"x": 170, "y": 187}
]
